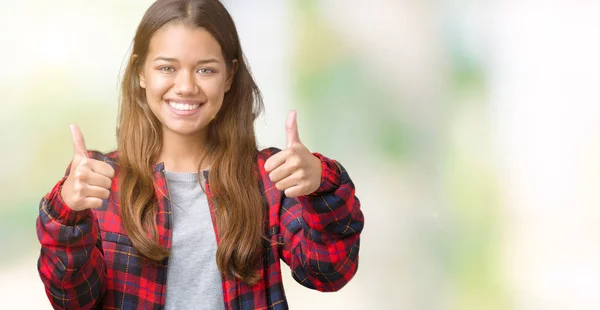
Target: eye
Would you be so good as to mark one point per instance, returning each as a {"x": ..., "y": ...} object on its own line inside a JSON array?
[
  {"x": 167, "y": 69},
  {"x": 206, "y": 71}
]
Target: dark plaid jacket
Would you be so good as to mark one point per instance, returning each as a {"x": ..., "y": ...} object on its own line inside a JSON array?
[{"x": 87, "y": 260}]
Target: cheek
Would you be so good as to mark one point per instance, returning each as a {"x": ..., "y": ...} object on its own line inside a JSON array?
[
  {"x": 156, "y": 86},
  {"x": 214, "y": 89}
]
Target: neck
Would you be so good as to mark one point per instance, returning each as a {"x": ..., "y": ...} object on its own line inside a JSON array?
[{"x": 182, "y": 153}]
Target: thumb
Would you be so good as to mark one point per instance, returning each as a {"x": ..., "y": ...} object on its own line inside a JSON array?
[
  {"x": 291, "y": 129},
  {"x": 78, "y": 141}
]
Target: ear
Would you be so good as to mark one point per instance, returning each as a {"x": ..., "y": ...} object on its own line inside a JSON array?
[
  {"x": 142, "y": 80},
  {"x": 230, "y": 74},
  {"x": 140, "y": 71}
]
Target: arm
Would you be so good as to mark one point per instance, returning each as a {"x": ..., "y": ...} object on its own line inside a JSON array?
[
  {"x": 321, "y": 231},
  {"x": 71, "y": 263}
]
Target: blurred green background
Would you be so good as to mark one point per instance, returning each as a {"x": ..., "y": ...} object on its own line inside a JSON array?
[{"x": 470, "y": 128}]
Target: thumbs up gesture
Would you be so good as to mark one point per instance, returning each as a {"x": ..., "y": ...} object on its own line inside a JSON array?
[
  {"x": 295, "y": 170},
  {"x": 89, "y": 180}
]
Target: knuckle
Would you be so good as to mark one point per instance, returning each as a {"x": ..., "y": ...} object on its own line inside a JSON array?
[
  {"x": 109, "y": 169},
  {"x": 77, "y": 187},
  {"x": 77, "y": 201},
  {"x": 81, "y": 174},
  {"x": 78, "y": 173}
]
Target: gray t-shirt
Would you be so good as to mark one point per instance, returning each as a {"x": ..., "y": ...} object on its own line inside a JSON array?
[{"x": 193, "y": 279}]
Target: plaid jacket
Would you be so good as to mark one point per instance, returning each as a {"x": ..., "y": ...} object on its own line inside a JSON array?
[{"x": 88, "y": 262}]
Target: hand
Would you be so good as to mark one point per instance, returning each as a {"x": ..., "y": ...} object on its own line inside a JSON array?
[
  {"x": 295, "y": 170},
  {"x": 89, "y": 180}
]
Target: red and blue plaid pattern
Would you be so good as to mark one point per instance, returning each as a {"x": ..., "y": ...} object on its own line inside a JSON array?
[{"x": 88, "y": 262}]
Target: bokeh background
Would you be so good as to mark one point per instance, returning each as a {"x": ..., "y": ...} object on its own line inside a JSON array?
[{"x": 470, "y": 128}]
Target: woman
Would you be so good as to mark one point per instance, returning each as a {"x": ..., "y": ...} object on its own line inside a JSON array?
[{"x": 187, "y": 213}]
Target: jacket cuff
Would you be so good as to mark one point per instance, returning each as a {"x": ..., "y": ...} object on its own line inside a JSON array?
[
  {"x": 61, "y": 212},
  {"x": 330, "y": 175}
]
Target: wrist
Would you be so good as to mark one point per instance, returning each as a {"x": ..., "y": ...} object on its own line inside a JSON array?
[{"x": 64, "y": 193}]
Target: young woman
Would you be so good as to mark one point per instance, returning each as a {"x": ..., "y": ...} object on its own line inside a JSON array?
[{"x": 187, "y": 213}]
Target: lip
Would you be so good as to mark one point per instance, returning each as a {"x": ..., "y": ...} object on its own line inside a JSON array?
[{"x": 186, "y": 112}]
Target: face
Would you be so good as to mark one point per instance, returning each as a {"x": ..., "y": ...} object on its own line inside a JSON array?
[{"x": 185, "y": 77}]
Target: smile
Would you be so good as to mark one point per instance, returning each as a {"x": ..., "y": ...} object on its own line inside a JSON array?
[{"x": 183, "y": 106}]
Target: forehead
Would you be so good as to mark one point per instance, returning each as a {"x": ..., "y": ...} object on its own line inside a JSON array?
[{"x": 184, "y": 42}]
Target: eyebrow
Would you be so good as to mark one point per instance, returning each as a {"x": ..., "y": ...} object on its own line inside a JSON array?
[{"x": 170, "y": 59}]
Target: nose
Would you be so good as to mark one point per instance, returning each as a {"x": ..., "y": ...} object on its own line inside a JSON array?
[{"x": 185, "y": 84}]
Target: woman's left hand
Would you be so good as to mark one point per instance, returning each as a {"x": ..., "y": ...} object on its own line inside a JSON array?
[{"x": 295, "y": 170}]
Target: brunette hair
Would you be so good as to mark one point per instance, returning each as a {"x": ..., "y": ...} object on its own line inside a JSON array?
[{"x": 231, "y": 144}]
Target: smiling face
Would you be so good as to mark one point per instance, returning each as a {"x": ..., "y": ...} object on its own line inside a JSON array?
[{"x": 185, "y": 78}]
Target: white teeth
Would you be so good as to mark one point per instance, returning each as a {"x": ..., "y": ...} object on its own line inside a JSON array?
[{"x": 183, "y": 106}]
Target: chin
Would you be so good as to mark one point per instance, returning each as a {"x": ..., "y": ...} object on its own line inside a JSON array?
[{"x": 186, "y": 130}]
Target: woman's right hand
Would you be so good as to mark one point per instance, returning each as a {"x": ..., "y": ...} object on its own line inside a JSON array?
[{"x": 89, "y": 180}]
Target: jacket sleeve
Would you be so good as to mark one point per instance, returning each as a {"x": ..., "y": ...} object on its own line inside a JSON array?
[
  {"x": 71, "y": 263},
  {"x": 321, "y": 231}
]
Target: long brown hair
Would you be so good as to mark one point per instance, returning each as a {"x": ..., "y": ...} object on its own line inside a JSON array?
[{"x": 231, "y": 145}]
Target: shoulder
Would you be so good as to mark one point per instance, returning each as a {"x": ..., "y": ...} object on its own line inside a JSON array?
[
  {"x": 110, "y": 158},
  {"x": 264, "y": 154}
]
